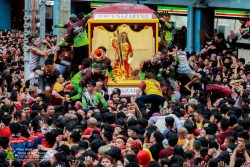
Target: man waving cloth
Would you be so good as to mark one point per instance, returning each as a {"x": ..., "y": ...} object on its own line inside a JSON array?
[{"x": 78, "y": 36}]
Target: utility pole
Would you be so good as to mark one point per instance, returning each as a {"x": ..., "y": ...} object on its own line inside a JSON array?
[
  {"x": 64, "y": 7},
  {"x": 35, "y": 17},
  {"x": 31, "y": 27},
  {"x": 26, "y": 34},
  {"x": 42, "y": 13}
]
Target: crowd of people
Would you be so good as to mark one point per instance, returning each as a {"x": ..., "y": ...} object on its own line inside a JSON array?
[{"x": 191, "y": 109}]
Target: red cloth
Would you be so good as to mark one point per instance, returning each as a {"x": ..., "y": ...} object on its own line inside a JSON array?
[
  {"x": 223, "y": 147},
  {"x": 220, "y": 89},
  {"x": 221, "y": 137},
  {"x": 166, "y": 152},
  {"x": 231, "y": 128},
  {"x": 17, "y": 140},
  {"x": 5, "y": 131},
  {"x": 18, "y": 106},
  {"x": 143, "y": 85},
  {"x": 88, "y": 131},
  {"x": 105, "y": 82},
  {"x": 31, "y": 100},
  {"x": 36, "y": 134},
  {"x": 46, "y": 144},
  {"x": 69, "y": 87}
]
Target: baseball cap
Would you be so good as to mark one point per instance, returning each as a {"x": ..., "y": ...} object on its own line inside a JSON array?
[{"x": 143, "y": 158}]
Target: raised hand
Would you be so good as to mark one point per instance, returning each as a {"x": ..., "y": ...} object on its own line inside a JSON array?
[
  {"x": 74, "y": 163},
  {"x": 202, "y": 164},
  {"x": 221, "y": 164}
]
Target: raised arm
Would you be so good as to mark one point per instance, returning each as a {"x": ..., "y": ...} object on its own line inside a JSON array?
[
  {"x": 38, "y": 52},
  {"x": 57, "y": 95},
  {"x": 60, "y": 25}
]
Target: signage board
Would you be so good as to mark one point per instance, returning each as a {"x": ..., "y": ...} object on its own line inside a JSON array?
[
  {"x": 126, "y": 91},
  {"x": 133, "y": 16}
]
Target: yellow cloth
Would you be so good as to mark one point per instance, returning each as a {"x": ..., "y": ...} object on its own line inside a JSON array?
[
  {"x": 58, "y": 87},
  {"x": 181, "y": 142},
  {"x": 198, "y": 125},
  {"x": 147, "y": 150},
  {"x": 152, "y": 87},
  {"x": 184, "y": 143}
]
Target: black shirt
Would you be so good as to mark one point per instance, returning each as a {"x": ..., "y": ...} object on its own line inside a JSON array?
[
  {"x": 149, "y": 67},
  {"x": 220, "y": 46},
  {"x": 155, "y": 150}
]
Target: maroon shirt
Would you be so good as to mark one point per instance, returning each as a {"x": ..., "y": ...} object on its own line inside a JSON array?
[
  {"x": 79, "y": 25},
  {"x": 56, "y": 101},
  {"x": 221, "y": 137},
  {"x": 166, "y": 152},
  {"x": 88, "y": 74},
  {"x": 105, "y": 61}
]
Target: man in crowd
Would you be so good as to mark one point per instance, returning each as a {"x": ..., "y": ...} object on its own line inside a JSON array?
[
  {"x": 167, "y": 27},
  {"x": 77, "y": 35},
  {"x": 35, "y": 55},
  {"x": 100, "y": 58},
  {"x": 154, "y": 65},
  {"x": 153, "y": 94},
  {"x": 91, "y": 98}
]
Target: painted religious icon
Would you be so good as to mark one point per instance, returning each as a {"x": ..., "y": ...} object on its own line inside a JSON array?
[{"x": 124, "y": 53}]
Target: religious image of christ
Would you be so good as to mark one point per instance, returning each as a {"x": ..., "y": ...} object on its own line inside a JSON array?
[{"x": 123, "y": 49}]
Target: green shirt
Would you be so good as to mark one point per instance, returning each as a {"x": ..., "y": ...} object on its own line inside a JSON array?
[
  {"x": 94, "y": 100},
  {"x": 168, "y": 35},
  {"x": 75, "y": 83},
  {"x": 75, "y": 80},
  {"x": 81, "y": 39}
]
